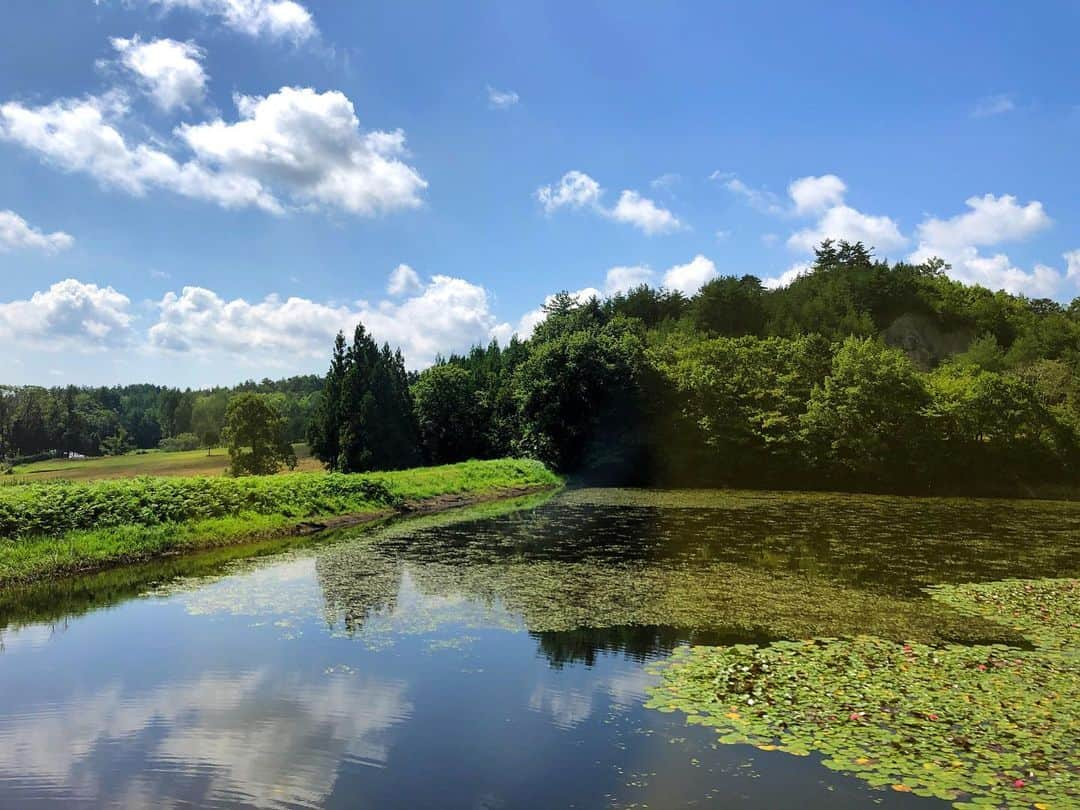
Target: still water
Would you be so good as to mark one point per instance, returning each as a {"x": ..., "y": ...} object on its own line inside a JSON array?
[{"x": 487, "y": 658}]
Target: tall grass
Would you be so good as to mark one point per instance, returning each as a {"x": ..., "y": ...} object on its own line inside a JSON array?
[{"x": 55, "y": 527}]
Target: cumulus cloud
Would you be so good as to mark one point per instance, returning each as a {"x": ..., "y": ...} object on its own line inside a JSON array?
[
  {"x": 310, "y": 144},
  {"x": 842, "y": 222},
  {"x": 822, "y": 197},
  {"x": 814, "y": 194},
  {"x": 404, "y": 280},
  {"x": 574, "y": 190},
  {"x": 296, "y": 143},
  {"x": 622, "y": 279},
  {"x": 989, "y": 221},
  {"x": 170, "y": 72},
  {"x": 69, "y": 315},
  {"x": 18, "y": 234},
  {"x": 578, "y": 190},
  {"x": 993, "y": 105},
  {"x": 644, "y": 214},
  {"x": 447, "y": 314},
  {"x": 1072, "y": 264},
  {"x": 785, "y": 278},
  {"x": 278, "y": 19},
  {"x": 501, "y": 99},
  {"x": 688, "y": 278}
]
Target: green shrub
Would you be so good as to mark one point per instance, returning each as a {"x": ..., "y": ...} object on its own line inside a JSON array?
[{"x": 180, "y": 442}]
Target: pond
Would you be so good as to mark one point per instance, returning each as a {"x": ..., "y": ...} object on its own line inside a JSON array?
[{"x": 502, "y": 656}]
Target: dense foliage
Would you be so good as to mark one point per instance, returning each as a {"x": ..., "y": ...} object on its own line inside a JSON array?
[
  {"x": 42, "y": 422},
  {"x": 53, "y": 508},
  {"x": 364, "y": 420},
  {"x": 859, "y": 374}
]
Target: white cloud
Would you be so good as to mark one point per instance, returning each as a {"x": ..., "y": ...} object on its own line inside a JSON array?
[
  {"x": 842, "y": 222},
  {"x": 991, "y": 220},
  {"x": 404, "y": 281},
  {"x": 688, "y": 278},
  {"x": 311, "y": 145},
  {"x": 821, "y": 196},
  {"x": 305, "y": 145},
  {"x": 623, "y": 279},
  {"x": 993, "y": 105},
  {"x": 501, "y": 99},
  {"x": 278, "y": 19},
  {"x": 69, "y": 315},
  {"x": 77, "y": 135},
  {"x": 760, "y": 199},
  {"x": 1072, "y": 264},
  {"x": 578, "y": 190},
  {"x": 446, "y": 315},
  {"x": 574, "y": 190},
  {"x": 644, "y": 214},
  {"x": 18, "y": 234},
  {"x": 170, "y": 72},
  {"x": 785, "y": 278},
  {"x": 812, "y": 195}
]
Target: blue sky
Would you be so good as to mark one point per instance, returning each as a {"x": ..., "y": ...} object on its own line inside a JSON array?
[{"x": 201, "y": 191}]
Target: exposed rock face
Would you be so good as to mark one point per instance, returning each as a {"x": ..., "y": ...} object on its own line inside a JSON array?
[{"x": 923, "y": 341}]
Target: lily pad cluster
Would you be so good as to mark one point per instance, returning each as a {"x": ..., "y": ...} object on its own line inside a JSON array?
[{"x": 984, "y": 725}]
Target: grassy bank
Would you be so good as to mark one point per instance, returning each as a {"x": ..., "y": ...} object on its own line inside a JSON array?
[
  {"x": 131, "y": 465},
  {"x": 50, "y": 529}
]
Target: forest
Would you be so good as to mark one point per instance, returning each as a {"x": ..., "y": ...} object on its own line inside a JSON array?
[{"x": 860, "y": 374}]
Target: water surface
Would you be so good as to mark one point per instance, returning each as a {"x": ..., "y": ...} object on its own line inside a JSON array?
[{"x": 482, "y": 659}]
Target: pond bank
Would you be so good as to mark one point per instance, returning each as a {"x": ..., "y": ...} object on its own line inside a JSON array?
[{"x": 51, "y": 530}]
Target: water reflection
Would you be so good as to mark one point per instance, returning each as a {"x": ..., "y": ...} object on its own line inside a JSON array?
[
  {"x": 460, "y": 660},
  {"x": 213, "y": 739}
]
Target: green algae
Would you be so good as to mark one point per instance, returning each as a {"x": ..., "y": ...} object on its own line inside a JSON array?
[{"x": 983, "y": 725}]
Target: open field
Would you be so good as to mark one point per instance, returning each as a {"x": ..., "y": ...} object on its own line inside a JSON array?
[
  {"x": 151, "y": 462},
  {"x": 53, "y": 528}
]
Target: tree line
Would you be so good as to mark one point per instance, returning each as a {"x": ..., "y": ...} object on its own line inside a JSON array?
[
  {"x": 860, "y": 374},
  {"x": 40, "y": 422}
]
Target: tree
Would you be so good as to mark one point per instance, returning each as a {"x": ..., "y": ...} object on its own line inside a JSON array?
[
  {"x": 866, "y": 422},
  {"x": 578, "y": 391},
  {"x": 255, "y": 436},
  {"x": 731, "y": 306},
  {"x": 208, "y": 416},
  {"x": 365, "y": 419},
  {"x": 117, "y": 444},
  {"x": 448, "y": 405}
]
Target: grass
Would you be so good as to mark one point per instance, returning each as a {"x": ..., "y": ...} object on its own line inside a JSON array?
[
  {"x": 54, "y": 528},
  {"x": 151, "y": 462}
]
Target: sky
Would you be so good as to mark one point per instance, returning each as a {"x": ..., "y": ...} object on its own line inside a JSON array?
[{"x": 198, "y": 192}]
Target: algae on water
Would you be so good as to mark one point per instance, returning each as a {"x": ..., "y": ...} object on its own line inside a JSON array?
[{"x": 985, "y": 725}]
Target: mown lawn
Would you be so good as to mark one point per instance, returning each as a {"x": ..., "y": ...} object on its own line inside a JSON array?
[{"x": 151, "y": 462}]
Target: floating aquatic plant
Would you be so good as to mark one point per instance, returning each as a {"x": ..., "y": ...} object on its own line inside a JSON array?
[{"x": 985, "y": 725}]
